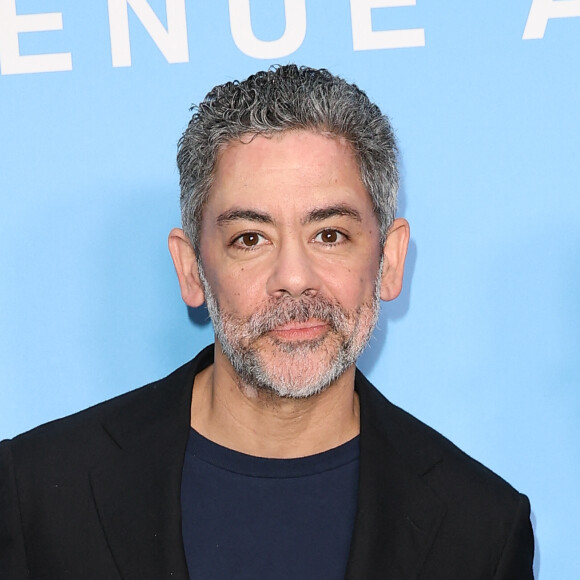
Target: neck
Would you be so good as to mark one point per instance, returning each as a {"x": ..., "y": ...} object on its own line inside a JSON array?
[{"x": 259, "y": 423}]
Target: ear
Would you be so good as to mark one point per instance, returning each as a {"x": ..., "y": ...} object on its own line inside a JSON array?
[
  {"x": 394, "y": 254},
  {"x": 185, "y": 263}
]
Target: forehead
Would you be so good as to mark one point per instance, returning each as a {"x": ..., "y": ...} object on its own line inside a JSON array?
[
  {"x": 304, "y": 145},
  {"x": 293, "y": 168}
]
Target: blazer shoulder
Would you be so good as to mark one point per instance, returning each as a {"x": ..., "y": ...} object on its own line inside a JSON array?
[
  {"x": 80, "y": 437},
  {"x": 484, "y": 528},
  {"x": 428, "y": 453}
]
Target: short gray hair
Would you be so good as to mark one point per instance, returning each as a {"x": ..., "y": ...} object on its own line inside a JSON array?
[{"x": 286, "y": 98}]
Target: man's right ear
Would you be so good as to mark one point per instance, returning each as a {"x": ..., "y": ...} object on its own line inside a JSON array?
[{"x": 185, "y": 262}]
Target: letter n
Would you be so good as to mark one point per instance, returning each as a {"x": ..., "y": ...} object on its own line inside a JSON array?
[{"x": 171, "y": 42}]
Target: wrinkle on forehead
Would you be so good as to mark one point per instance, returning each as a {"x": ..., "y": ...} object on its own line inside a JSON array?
[{"x": 248, "y": 138}]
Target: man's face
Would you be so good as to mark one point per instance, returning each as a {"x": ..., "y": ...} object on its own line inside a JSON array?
[{"x": 291, "y": 261}]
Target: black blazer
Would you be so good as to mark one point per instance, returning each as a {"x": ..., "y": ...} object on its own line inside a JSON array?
[{"x": 96, "y": 496}]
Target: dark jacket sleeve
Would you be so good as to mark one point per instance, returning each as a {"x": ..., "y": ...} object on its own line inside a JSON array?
[
  {"x": 516, "y": 562},
  {"x": 12, "y": 553}
]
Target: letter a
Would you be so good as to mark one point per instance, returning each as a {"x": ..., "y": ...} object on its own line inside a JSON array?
[{"x": 543, "y": 10}]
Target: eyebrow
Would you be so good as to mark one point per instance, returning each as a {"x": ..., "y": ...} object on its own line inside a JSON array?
[
  {"x": 252, "y": 215},
  {"x": 323, "y": 213},
  {"x": 318, "y": 214}
]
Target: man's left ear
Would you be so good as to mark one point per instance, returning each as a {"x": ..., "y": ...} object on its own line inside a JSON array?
[{"x": 394, "y": 254}]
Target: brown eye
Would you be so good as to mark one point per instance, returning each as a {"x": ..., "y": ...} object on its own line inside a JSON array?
[
  {"x": 249, "y": 239},
  {"x": 329, "y": 236}
]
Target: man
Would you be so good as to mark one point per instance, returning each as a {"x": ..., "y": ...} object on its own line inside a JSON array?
[{"x": 270, "y": 455}]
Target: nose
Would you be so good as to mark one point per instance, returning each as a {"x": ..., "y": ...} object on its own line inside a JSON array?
[{"x": 293, "y": 272}]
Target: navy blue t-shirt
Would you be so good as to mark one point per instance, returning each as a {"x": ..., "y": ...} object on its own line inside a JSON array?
[{"x": 247, "y": 517}]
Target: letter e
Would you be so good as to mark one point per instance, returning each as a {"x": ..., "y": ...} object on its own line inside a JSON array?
[
  {"x": 11, "y": 24},
  {"x": 365, "y": 38}
]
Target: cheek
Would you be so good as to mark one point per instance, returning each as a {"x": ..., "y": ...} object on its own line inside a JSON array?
[
  {"x": 238, "y": 290},
  {"x": 353, "y": 286},
  {"x": 230, "y": 283}
]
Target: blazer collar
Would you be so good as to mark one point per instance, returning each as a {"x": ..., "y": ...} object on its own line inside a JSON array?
[{"x": 398, "y": 515}]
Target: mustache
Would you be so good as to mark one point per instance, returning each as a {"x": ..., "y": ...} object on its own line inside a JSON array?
[{"x": 279, "y": 311}]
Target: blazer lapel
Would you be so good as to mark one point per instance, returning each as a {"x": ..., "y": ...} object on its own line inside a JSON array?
[
  {"x": 138, "y": 505},
  {"x": 398, "y": 515},
  {"x": 137, "y": 486}
]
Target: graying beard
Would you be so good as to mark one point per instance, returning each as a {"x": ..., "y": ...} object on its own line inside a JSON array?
[{"x": 247, "y": 364}]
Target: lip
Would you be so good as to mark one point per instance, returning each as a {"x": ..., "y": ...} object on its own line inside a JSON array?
[{"x": 308, "y": 330}]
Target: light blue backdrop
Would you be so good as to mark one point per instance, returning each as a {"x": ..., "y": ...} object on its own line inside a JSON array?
[{"x": 483, "y": 344}]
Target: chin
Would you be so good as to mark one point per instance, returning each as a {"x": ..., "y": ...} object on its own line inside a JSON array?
[{"x": 293, "y": 370}]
